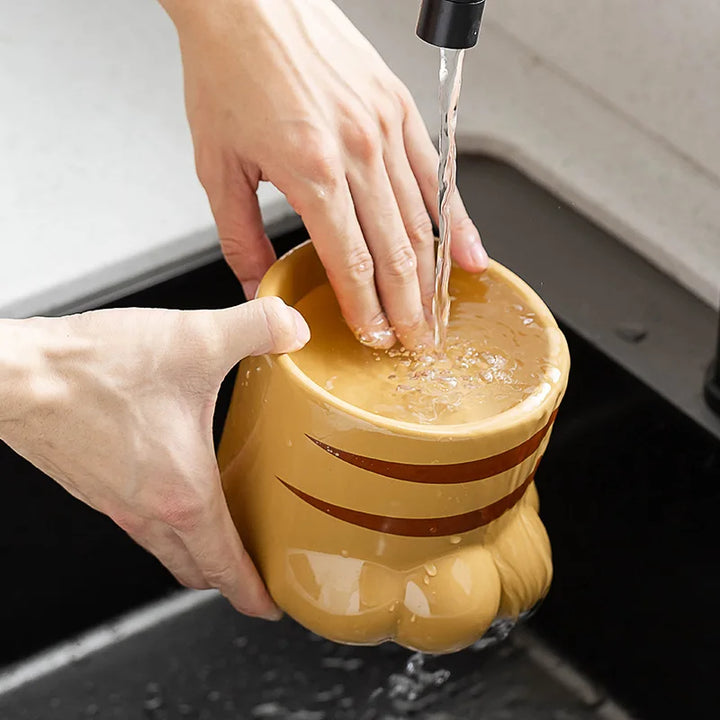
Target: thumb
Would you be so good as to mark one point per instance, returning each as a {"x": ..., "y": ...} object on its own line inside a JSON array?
[
  {"x": 265, "y": 325},
  {"x": 244, "y": 243}
]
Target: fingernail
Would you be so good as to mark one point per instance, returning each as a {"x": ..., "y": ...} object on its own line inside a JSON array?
[
  {"x": 250, "y": 288},
  {"x": 301, "y": 328},
  {"x": 479, "y": 256},
  {"x": 274, "y": 615},
  {"x": 380, "y": 338},
  {"x": 426, "y": 340}
]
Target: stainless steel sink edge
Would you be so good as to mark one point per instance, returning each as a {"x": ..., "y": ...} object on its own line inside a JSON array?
[{"x": 101, "y": 638}]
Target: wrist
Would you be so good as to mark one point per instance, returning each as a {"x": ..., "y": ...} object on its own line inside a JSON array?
[
  {"x": 27, "y": 378},
  {"x": 15, "y": 362},
  {"x": 182, "y": 12}
]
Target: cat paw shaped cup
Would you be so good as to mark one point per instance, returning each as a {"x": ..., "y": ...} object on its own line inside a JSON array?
[{"x": 370, "y": 525}]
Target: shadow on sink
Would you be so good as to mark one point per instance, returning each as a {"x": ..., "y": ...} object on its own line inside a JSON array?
[{"x": 629, "y": 491}]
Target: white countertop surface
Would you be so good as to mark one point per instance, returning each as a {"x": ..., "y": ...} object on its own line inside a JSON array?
[{"x": 97, "y": 186}]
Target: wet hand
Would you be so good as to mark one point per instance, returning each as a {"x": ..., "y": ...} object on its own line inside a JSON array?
[
  {"x": 289, "y": 91},
  {"x": 117, "y": 406}
]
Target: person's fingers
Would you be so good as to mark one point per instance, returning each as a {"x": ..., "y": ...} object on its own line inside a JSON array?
[
  {"x": 243, "y": 240},
  {"x": 322, "y": 197},
  {"x": 467, "y": 247},
  {"x": 265, "y": 325},
  {"x": 212, "y": 540},
  {"x": 414, "y": 214},
  {"x": 395, "y": 261},
  {"x": 160, "y": 541}
]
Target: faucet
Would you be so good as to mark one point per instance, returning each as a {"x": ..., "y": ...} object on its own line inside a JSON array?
[{"x": 453, "y": 24}]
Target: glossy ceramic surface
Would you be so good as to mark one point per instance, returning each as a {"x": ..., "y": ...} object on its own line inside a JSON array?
[{"x": 367, "y": 529}]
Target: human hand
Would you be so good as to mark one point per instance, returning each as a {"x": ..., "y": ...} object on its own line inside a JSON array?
[
  {"x": 117, "y": 406},
  {"x": 289, "y": 91}
]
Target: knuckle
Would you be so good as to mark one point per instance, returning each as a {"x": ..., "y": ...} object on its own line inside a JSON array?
[
  {"x": 187, "y": 582},
  {"x": 362, "y": 140},
  {"x": 182, "y": 512},
  {"x": 420, "y": 230},
  {"x": 359, "y": 267},
  {"x": 463, "y": 224},
  {"x": 220, "y": 577},
  {"x": 322, "y": 170},
  {"x": 427, "y": 178},
  {"x": 401, "y": 263},
  {"x": 403, "y": 96},
  {"x": 281, "y": 327},
  {"x": 316, "y": 160},
  {"x": 205, "y": 168},
  {"x": 233, "y": 252},
  {"x": 390, "y": 117}
]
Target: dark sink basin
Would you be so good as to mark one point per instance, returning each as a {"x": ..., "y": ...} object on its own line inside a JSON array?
[{"x": 629, "y": 492}]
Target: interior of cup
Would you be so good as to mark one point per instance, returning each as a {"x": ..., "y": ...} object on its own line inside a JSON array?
[
  {"x": 294, "y": 275},
  {"x": 300, "y": 271}
]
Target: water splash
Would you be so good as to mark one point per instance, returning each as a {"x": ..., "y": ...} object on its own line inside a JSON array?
[
  {"x": 405, "y": 688},
  {"x": 496, "y": 633},
  {"x": 409, "y": 692}
]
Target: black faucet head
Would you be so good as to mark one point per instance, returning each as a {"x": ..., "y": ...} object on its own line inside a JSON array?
[{"x": 451, "y": 24}]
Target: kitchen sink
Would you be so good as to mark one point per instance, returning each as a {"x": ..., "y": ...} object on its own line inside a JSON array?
[{"x": 629, "y": 492}]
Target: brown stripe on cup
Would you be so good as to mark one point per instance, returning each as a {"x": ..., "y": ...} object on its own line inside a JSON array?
[
  {"x": 445, "y": 474},
  {"x": 418, "y": 527}
]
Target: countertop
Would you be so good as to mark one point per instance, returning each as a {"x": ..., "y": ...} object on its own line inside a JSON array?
[{"x": 97, "y": 185}]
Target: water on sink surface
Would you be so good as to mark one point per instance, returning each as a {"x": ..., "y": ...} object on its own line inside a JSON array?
[
  {"x": 222, "y": 666},
  {"x": 422, "y": 686}
]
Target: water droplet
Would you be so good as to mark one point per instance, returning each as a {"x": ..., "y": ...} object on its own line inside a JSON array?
[
  {"x": 268, "y": 710},
  {"x": 334, "y": 693},
  {"x": 430, "y": 569},
  {"x": 153, "y": 703},
  {"x": 455, "y": 540},
  {"x": 344, "y": 553},
  {"x": 426, "y": 579},
  {"x": 337, "y": 663}
]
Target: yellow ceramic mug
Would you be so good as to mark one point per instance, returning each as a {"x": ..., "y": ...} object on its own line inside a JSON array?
[{"x": 367, "y": 529}]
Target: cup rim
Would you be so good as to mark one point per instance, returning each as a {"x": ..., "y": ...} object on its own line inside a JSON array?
[{"x": 522, "y": 412}]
